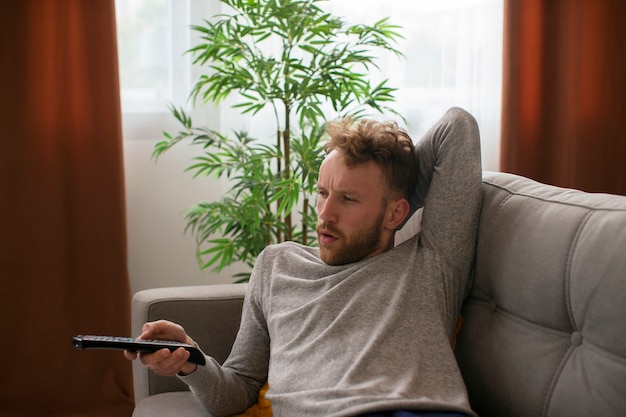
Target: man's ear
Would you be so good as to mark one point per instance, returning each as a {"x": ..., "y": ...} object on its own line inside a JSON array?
[{"x": 397, "y": 211}]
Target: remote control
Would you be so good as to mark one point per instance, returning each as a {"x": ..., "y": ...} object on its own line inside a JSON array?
[{"x": 136, "y": 345}]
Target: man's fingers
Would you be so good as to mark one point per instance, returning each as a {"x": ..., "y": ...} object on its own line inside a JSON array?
[
  {"x": 147, "y": 331},
  {"x": 162, "y": 330},
  {"x": 130, "y": 355},
  {"x": 166, "y": 363}
]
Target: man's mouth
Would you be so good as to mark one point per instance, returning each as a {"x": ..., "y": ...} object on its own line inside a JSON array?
[{"x": 325, "y": 237}]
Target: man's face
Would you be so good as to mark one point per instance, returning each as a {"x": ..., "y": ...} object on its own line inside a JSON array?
[{"x": 350, "y": 210}]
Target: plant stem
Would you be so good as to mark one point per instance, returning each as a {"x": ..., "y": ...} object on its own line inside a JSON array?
[
  {"x": 278, "y": 169},
  {"x": 305, "y": 215},
  {"x": 287, "y": 157}
]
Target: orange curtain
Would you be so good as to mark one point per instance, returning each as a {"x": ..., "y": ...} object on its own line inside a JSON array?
[
  {"x": 564, "y": 93},
  {"x": 63, "y": 261}
]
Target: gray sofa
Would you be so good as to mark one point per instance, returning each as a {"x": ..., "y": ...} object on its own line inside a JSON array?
[{"x": 544, "y": 328}]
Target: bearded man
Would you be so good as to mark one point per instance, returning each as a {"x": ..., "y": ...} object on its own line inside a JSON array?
[{"x": 358, "y": 326}]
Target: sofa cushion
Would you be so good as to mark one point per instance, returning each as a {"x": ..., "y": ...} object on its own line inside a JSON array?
[
  {"x": 184, "y": 403},
  {"x": 541, "y": 326},
  {"x": 177, "y": 403}
]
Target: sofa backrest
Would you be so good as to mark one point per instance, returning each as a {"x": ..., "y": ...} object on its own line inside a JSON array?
[{"x": 544, "y": 330}]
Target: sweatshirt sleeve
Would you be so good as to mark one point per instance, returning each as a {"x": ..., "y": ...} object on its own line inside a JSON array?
[
  {"x": 449, "y": 187},
  {"x": 234, "y": 386}
]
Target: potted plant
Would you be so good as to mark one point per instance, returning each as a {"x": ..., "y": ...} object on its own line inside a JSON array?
[{"x": 320, "y": 70}]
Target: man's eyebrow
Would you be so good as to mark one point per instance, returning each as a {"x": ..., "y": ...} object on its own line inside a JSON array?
[
  {"x": 348, "y": 191},
  {"x": 342, "y": 190}
]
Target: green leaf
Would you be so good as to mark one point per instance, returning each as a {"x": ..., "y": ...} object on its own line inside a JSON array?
[{"x": 222, "y": 251}]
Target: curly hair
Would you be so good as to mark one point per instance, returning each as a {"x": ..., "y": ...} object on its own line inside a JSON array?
[{"x": 384, "y": 143}]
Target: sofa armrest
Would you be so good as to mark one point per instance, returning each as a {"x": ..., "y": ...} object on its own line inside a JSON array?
[{"x": 209, "y": 313}]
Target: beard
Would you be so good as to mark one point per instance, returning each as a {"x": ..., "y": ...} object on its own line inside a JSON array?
[{"x": 348, "y": 250}]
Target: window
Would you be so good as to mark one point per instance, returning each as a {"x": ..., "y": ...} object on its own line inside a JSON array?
[
  {"x": 152, "y": 73},
  {"x": 155, "y": 72}
]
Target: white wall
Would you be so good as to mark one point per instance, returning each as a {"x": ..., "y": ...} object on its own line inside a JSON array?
[{"x": 160, "y": 253}]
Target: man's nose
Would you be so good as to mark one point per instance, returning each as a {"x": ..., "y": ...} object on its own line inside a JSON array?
[{"x": 326, "y": 211}]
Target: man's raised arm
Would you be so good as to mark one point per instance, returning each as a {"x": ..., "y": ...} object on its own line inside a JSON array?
[{"x": 449, "y": 186}]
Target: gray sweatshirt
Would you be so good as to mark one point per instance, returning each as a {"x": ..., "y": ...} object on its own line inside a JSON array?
[{"x": 368, "y": 336}]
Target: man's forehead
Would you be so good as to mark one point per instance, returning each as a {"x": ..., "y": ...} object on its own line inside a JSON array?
[{"x": 335, "y": 170}]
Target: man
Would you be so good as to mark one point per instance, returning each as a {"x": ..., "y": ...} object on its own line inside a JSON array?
[{"x": 358, "y": 326}]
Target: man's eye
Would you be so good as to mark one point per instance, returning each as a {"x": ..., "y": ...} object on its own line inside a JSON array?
[{"x": 348, "y": 199}]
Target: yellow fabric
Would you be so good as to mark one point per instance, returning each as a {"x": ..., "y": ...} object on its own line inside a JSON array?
[
  {"x": 264, "y": 409},
  {"x": 261, "y": 409}
]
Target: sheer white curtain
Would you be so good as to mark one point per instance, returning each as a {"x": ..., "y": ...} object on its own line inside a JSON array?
[
  {"x": 453, "y": 54},
  {"x": 453, "y": 57}
]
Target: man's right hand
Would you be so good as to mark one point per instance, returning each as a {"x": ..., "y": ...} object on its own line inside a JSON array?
[{"x": 163, "y": 362}]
